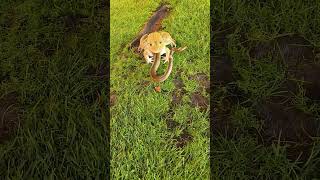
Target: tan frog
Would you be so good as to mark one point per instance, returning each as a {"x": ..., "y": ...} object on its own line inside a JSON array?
[{"x": 153, "y": 46}]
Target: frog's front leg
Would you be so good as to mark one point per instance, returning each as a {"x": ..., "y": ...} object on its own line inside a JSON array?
[
  {"x": 168, "y": 56},
  {"x": 163, "y": 54},
  {"x": 148, "y": 56}
]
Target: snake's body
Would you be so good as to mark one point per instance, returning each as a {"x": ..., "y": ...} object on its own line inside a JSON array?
[{"x": 156, "y": 64}]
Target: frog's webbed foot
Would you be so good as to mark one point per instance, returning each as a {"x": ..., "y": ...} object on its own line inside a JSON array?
[{"x": 149, "y": 59}]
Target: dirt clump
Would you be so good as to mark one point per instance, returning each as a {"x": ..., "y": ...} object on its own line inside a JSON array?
[
  {"x": 223, "y": 70},
  {"x": 183, "y": 139},
  {"x": 171, "y": 124},
  {"x": 198, "y": 100},
  {"x": 113, "y": 99},
  {"x": 220, "y": 122},
  {"x": 178, "y": 82},
  {"x": 177, "y": 97},
  {"x": 203, "y": 80},
  {"x": 310, "y": 74},
  {"x": 299, "y": 58},
  {"x": 289, "y": 126},
  {"x": 291, "y": 49}
]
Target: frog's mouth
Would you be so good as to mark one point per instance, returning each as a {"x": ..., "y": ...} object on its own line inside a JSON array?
[{"x": 155, "y": 50}]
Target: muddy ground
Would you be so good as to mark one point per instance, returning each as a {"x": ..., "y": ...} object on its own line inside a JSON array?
[{"x": 281, "y": 121}]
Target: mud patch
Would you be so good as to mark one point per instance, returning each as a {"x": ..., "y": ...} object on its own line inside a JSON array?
[
  {"x": 310, "y": 75},
  {"x": 178, "y": 82},
  {"x": 220, "y": 123},
  {"x": 300, "y": 152},
  {"x": 179, "y": 91},
  {"x": 292, "y": 49},
  {"x": 183, "y": 139},
  {"x": 290, "y": 126},
  {"x": 285, "y": 94},
  {"x": 224, "y": 94},
  {"x": 171, "y": 124},
  {"x": 113, "y": 99},
  {"x": 198, "y": 100},
  {"x": 177, "y": 97},
  {"x": 236, "y": 95},
  {"x": 223, "y": 70},
  {"x": 203, "y": 80},
  {"x": 289, "y": 123},
  {"x": 152, "y": 25},
  {"x": 299, "y": 57},
  {"x": 9, "y": 116}
]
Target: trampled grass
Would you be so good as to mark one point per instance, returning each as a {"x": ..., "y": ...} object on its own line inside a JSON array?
[{"x": 142, "y": 146}]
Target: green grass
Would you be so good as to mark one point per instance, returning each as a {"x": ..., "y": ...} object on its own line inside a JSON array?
[
  {"x": 63, "y": 132},
  {"x": 141, "y": 144},
  {"x": 244, "y": 158}
]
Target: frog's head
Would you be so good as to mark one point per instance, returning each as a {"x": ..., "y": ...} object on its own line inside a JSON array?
[{"x": 155, "y": 42}]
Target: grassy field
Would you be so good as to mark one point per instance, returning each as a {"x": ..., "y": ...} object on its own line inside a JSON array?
[
  {"x": 53, "y": 91},
  {"x": 237, "y": 152},
  {"x": 153, "y": 136},
  {"x": 52, "y": 68}
]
